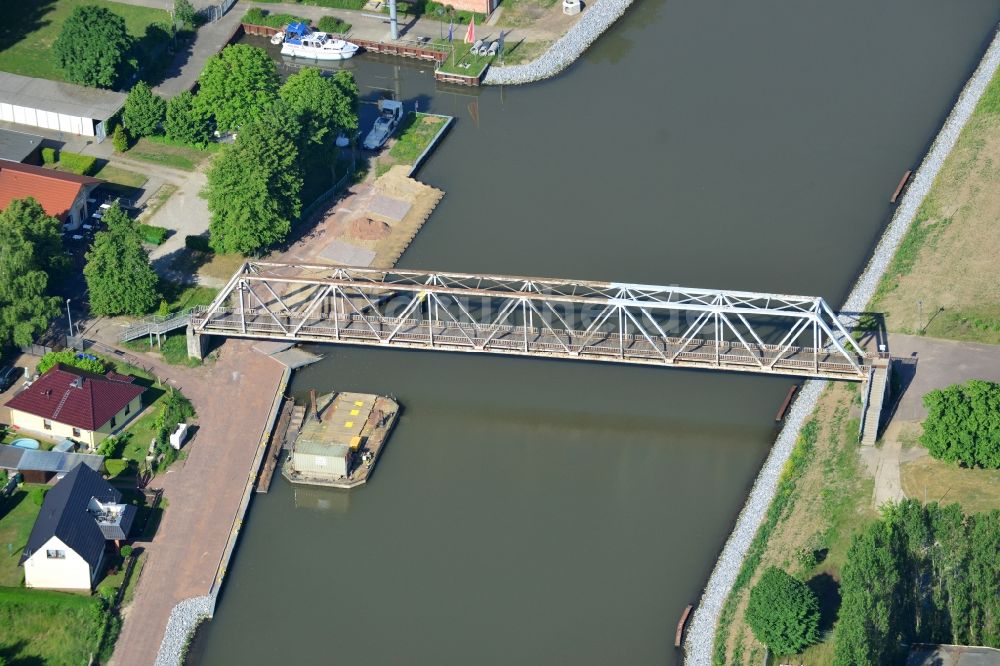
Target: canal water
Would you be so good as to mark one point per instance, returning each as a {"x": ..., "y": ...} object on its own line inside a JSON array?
[{"x": 538, "y": 512}]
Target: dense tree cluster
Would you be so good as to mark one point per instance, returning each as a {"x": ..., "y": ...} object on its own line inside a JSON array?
[
  {"x": 783, "y": 613},
  {"x": 31, "y": 260},
  {"x": 92, "y": 45},
  {"x": 238, "y": 85},
  {"x": 284, "y": 145},
  {"x": 925, "y": 574},
  {"x": 963, "y": 424},
  {"x": 253, "y": 188},
  {"x": 118, "y": 274}
]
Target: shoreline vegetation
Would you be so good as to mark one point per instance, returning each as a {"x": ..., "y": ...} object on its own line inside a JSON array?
[{"x": 945, "y": 262}]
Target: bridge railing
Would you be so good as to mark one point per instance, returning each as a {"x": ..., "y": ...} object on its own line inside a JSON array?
[{"x": 159, "y": 324}]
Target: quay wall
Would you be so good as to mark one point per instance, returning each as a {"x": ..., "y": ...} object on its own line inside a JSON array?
[
  {"x": 597, "y": 18},
  {"x": 698, "y": 646},
  {"x": 188, "y": 614}
]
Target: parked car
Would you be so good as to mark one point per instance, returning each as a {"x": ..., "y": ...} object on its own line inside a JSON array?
[{"x": 7, "y": 377}]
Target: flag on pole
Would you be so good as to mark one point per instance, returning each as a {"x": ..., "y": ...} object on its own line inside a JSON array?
[
  {"x": 451, "y": 31},
  {"x": 470, "y": 34}
]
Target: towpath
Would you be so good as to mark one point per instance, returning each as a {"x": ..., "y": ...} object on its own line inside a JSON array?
[{"x": 232, "y": 396}]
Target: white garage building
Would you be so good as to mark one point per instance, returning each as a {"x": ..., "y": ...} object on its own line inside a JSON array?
[{"x": 52, "y": 105}]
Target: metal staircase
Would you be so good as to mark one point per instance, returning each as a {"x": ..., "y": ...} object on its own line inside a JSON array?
[
  {"x": 875, "y": 390},
  {"x": 158, "y": 325}
]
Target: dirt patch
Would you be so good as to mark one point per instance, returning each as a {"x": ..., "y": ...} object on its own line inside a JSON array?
[
  {"x": 368, "y": 229},
  {"x": 948, "y": 286}
]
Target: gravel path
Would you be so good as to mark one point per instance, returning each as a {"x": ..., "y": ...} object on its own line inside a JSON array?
[
  {"x": 595, "y": 20},
  {"x": 701, "y": 635}
]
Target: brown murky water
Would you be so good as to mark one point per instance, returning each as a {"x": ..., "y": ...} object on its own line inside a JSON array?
[{"x": 534, "y": 512}]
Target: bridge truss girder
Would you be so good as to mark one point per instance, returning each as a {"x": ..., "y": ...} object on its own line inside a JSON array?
[{"x": 586, "y": 320}]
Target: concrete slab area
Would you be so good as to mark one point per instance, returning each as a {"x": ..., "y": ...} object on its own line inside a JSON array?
[
  {"x": 388, "y": 207},
  {"x": 342, "y": 252}
]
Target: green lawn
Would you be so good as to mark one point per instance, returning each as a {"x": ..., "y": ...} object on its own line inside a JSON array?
[
  {"x": 41, "y": 627},
  {"x": 461, "y": 61},
  {"x": 418, "y": 130},
  {"x": 180, "y": 297},
  {"x": 159, "y": 150},
  {"x": 119, "y": 176},
  {"x": 17, "y": 516},
  {"x": 28, "y": 32}
]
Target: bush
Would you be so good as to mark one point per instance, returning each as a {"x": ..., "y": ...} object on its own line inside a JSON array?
[
  {"x": 126, "y": 552},
  {"x": 153, "y": 234},
  {"x": 963, "y": 424},
  {"x": 337, "y": 4},
  {"x": 49, "y": 156},
  {"x": 83, "y": 165},
  {"x": 37, "y": 495},
  {"x": 72, "y": 358},
  {"x": 333, "y": 24},
  {"x": 198, "y": 244},
  {"x": 783, "y": 613},
  {"x": 119, "y": 139},
  {"x": 258, "y": 16}
]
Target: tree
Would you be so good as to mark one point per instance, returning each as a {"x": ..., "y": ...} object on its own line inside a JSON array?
[
  {"x": 126, "y": 551},
  {"x": 237, "y": 86},
  {"x": 314, "y": 99},
  {"x": 92, "y": 45},
  {"x": 184, "y": 13},
  {"x": 187, "y": 121},
  {"x": 30, "y": 255},
  {"x": 69, "y": 357},
  {"x": 119, "y": 139},
  {"x": 783, "y": 612},
  {"x": 963, "y": 424},
  {"x": 118, "y": 273},
  {"x": 253, "y": 187},
  {"x": 144, "y": 111},
  {"x": 346, "y": 111}
]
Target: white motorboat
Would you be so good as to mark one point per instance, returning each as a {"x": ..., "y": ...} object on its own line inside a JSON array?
[
  {"x": 390, "y": 113},
  {"x": 301, "y": 42}
]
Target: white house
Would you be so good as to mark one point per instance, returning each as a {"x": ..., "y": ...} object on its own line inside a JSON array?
[{"x": 66, "y": 548}]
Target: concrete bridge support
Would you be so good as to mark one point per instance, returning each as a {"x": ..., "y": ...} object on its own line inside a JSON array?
[{"x": 195, "y": 343}]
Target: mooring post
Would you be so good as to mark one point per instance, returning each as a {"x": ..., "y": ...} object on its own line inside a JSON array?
[{"x": 195, "y": 343}]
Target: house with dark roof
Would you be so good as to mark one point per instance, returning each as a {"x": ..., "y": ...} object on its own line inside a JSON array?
[
  {"x": 79, "y": 515},
  {"x": 62, "y": 195},
  {"x": 67, "y": 402}
]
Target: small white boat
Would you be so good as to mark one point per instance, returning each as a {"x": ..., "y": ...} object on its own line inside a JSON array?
[
  {"x": 301, "y": 42},
  {"x": 278, "y": 37},
  {"x": 390, "y": 113}
]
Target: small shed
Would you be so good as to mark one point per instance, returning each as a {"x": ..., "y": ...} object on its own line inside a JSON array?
[
  {"x": 321, "y": 459},
  {"x": 20, "y": 147},
  {"x": 41, "y": 466}
]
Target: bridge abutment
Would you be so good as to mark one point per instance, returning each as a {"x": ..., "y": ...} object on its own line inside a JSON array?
[{"x": 195, "y": 343}]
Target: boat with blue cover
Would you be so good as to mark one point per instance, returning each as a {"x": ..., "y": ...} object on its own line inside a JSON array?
[{"x": 299, "y": 41}]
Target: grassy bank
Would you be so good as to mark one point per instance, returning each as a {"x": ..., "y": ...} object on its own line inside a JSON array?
[
  {"x": 924, "y": 291},
  {"x": 822, "y": 498},
  {"x": 416, "y": 133}
]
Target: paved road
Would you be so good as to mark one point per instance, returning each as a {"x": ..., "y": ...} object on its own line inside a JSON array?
[
  {"x": 232, "y": 396},
  {"x": 940, "y": 363}
]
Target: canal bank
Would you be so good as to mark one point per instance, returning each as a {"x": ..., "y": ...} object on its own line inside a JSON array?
[
  {"x": 550, "y": 474},
  {"x": 702, "y": 634}
]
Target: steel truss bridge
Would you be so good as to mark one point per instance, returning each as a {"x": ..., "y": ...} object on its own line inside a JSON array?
[{"x": 550, "y": 318}]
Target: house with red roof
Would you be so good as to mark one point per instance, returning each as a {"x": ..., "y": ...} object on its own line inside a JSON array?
[
  {"x": 62, "y": 195},
  {"x": 67, "y": 402}
]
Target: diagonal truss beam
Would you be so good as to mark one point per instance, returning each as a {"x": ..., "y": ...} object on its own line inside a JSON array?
[{"x": 601, "y": 321}]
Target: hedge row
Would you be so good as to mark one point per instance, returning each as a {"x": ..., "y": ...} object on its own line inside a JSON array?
[{"x": 257, "y": 16}]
